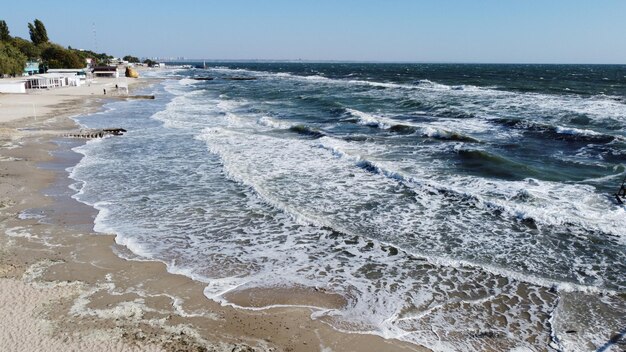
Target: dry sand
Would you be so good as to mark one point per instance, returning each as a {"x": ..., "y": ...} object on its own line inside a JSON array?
[
  {"x": 43, "y": 103},
  {"x": 63, "y": 288}
]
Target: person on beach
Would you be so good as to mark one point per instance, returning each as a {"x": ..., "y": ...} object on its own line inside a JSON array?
[{"x": 105, "y": 91}]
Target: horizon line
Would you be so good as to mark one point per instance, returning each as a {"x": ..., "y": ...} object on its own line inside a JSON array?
[{"x": 378, "y": 61}]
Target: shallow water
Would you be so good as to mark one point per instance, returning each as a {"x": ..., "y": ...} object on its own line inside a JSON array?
[{"x": 461, "y": 207}]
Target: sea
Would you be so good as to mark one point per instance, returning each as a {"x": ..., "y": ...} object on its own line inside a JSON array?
[{"x": 461, "y": 207}]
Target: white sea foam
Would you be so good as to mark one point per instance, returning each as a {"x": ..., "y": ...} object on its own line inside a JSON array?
[
  {"x": 188, "y": 81},
  {"x": 515, "y": 211},
  {"x": 599, "y": 107},
  {"x": 576, "y": 131},
  {"x": 432, "y": 129},
  {"x": 371, "y": 120},
  {"x": 486, "y": 102},
  {"x": 329, "y": 213},
  {"x": 269, "y": 122},
  {"x": 19, "y": 232},
  {"x": 559, "y": 205}
]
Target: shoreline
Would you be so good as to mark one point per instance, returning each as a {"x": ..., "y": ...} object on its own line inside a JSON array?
[{"x": 80, "y": 293}]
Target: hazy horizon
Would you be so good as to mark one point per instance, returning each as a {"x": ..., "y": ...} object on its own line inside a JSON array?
[
  {"x": 210, "y": 60},
  {"x": 403, "y": 31}
]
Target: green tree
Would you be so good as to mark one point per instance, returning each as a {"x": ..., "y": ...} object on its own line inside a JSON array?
[
  {"x": 101, "y": 59},
  {"x": 38, "y": 33},
  {"x": 12, "y": 61},
  {"x": 30, "y": 50},
  {"x": 56, "y": 56},
  {"x": 149, "y": 62},
  {"x": 5, "y": 36},
  {"x": 131, "y": 59}
]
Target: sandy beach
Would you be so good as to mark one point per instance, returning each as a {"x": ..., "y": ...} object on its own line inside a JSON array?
[{"x": 64, "y": 288}]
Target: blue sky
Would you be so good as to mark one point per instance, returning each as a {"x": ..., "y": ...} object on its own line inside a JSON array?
[{"x": 533, "y": 31}]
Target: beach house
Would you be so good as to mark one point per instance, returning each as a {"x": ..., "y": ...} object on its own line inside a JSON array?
[
  {"x": 52, "y": 80},
  {"x": 31, "y": 68},
  {"x": 106, "y": 71},
  {"x": 13, "y": 86}
]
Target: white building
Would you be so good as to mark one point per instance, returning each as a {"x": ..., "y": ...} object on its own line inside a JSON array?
[
  {"x": 74, "y": 71},
  {"x": 13, "y": 87},
  {"x": 106, "y": 71},
  {"x": 52, "y": 80}
]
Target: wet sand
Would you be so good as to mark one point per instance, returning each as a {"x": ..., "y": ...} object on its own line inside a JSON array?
[{"x": 64, "y": 287}]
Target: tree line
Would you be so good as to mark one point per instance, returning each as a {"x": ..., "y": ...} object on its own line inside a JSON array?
[{"x": 16, "y": 51}]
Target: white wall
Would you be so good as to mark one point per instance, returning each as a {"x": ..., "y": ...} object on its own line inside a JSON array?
[{"x": 12, "y": 87}]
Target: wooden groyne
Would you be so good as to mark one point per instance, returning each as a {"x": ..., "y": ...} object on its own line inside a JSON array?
[
  {"x": 138, "y": 97},
  {"x": 95, "y": 133},
  {"x": 226, "y": 78},
  {"x": 109, "y": 95}
]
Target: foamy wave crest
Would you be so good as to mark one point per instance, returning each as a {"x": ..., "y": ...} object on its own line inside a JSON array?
[
  {"x": 576, "y": 131},
  {"x": 400, "y": 126},
  {"x": 494, "y": 102},
  {"x": 438, "y": 133},
  {"x": 251, "y": 165},
  {"x": 561, "y": 205},
  {"x": 233, "y": 70},
  {"x": 427, "y": 84},
  {"x": 269, "y": 122},
  {"x": 188, "y": 81},
  {"x": 514, "y": 199},
  {"x": 371, "y": 120},
  {"x": 475, "y": 101},
  {"x": 232, "y": 195}
]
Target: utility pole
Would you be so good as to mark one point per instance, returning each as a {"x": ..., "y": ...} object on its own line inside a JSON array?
[{"x": 95, "y": 38}]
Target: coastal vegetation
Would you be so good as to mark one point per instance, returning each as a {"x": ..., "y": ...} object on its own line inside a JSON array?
[
  {"x": 12, "y": 61},
  {"x": 4, "y": 31},
  {"x": 56, "y": 56},
  {"x": 149, "y": 62},
  {"x": 38, "y": 32},
  {"x": 131, "y": 59},
  {"x": 15, "y": 52}
]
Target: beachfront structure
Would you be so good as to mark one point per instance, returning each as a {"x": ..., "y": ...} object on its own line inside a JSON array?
[
  {"x": 13, "y": 87},
  {"x": 83, "y": 74},
  {"x": 117, "y": 62},
  {"x": 52, "y": 80},
  {"x": 106, "y": 71},
  {"x": 68, "y": 71},
  {"x": 31, "y": 68}
]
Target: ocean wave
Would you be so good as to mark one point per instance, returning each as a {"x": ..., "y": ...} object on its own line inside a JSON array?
[
  {"x": 559, "y": 208},
  {"x": 405, "y": 127},
  {"x": 463, "y": 190},
  {"x": 419, "y": 255},
  {"x": 371, "y": 120},
  {"x": 365, "y": 311},
  {"x": 576, "y": 131},
  {"x": 559, "y": 132},
  {"x": 419, "y": 85},
  {"x": 269, "y": 122},
  {"x": 307, "y": 131},
  {"x": 439, "y": 133},
  {"x": 493, "y": 165},
  {"x": 486, "y": 102},
  {"x": 448, "y": 135}
]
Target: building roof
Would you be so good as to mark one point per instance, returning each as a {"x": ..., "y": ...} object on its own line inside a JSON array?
[
  {"x": 105, "y": 69},
  {"x": 47, "y": 75},
  {"x": 65, "y": 70}
]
